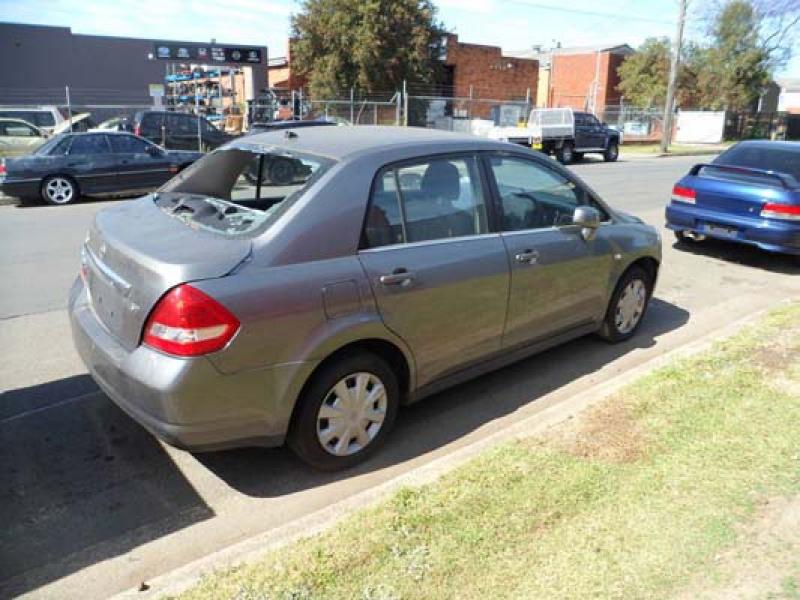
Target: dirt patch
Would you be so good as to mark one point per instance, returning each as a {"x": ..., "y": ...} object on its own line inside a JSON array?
[
  {"x": 606, "y": 432},
  {"x": 760, "y": 565}
]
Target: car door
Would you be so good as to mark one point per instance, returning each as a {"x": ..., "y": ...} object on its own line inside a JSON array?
[
  {"x": 182, "y": 132},
  {"x": 142, "y": 165},
  {"x": 558, "y": 279},
  {"x": 91, "y": 162},
  {"x": 439, "y": 277},
  {"x": 595, "y": 132}
]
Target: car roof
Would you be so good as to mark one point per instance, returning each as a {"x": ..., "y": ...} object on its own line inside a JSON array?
[
  {"x": 783, "y": 145},
  {"x": 344, "y": 141}
]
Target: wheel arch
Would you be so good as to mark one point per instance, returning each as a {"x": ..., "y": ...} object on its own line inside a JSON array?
[{"x": 390, "y": 352}]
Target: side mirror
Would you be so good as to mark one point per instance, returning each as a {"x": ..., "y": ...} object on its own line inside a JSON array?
[
  {"x": 588, "y": 219},
  {"x": 154, "y": 151}
]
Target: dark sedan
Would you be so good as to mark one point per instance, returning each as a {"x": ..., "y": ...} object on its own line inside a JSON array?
[{"x": 70, "y": 165}]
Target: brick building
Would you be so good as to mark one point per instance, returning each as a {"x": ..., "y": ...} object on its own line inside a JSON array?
[
  {"x": 583, "y": 78},
  {"x": 280, "y": 74},
  {"x": 486, "y": 73}
]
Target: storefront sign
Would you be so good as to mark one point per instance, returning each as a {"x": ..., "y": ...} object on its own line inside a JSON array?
[{"x": 221, "y": 54}]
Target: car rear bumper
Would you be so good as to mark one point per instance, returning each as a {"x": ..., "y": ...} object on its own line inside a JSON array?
[
  {"x": 20, "y": 188},
  {"x": 767, "y": 234},
  {"x": 186, "y": 402}
]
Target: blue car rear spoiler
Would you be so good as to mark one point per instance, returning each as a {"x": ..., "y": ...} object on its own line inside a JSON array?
[{"x": 785, "y": 179}]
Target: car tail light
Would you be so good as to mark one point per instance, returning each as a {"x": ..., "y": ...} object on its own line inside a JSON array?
[
  {"x": 187, "y": 322},
  {"x": 781, "y": 211},
  {"x": 137, "y": 130},
  {"x": 2, "y": 167},
  {"x": 683, "y": 194}
]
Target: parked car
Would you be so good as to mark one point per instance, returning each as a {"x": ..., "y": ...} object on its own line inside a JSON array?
[
  {"x": 18, "y": 137},
  {"x": 72, "y": 164},
  {"x": 219, "y": 312},
  {"x": 178, "y": 131},
  {"x": 749, "y": 194},
  {"x": 121, "y": 123},
  {"x": 46, "y": 118}
]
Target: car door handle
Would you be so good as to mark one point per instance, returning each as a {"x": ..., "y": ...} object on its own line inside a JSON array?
[
  {"x": 398, "y": 277},
  {"x": 527, "y": 257}
]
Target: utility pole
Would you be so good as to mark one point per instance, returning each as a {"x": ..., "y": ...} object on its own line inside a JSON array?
[{"x": 669, "y": 108}]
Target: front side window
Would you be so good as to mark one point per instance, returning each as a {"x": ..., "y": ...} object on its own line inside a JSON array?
[
  {"x": 127, "y": 144},
  {"x": 89, "y": 144},
  {"x": 434, "y": 199},
  {"x": 18, "y": 130},
  {"x": 532, "y": 195}
]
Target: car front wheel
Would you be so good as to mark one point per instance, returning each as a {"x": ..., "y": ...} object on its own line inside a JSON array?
[
  {"x": 627, "y": 306},
  {"x": 59, "y": 189},
  {"x": 345, "y": 413}
]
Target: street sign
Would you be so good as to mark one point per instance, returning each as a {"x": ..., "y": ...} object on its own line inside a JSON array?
[
  {"x": 202, "y": 53},
  {"x": 156, "y": 90}
]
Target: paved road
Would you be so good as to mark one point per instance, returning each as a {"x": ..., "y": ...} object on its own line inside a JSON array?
[{"x": 93, "y": 505}]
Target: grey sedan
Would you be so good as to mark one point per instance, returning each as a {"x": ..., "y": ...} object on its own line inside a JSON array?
[{"x": 229, "y": 310}]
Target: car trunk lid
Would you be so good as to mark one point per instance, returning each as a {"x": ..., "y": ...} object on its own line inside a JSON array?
[
  {"x": 135, "y": 253},
  {"x": 734, "y": 190}
]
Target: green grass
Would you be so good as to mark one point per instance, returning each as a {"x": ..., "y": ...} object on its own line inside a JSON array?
[
  {"x": 632, "y": 500},
  {"x": 674, "y": 149}
]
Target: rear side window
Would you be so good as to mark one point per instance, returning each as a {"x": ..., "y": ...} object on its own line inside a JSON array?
[
  {"x": 430, "y": 200},
  {"x": 89, "y": 144},
  {"x": 18, "y": 130},
  {"x": 151, "y": 123},
  {"x": 181, "y": 124},
  {"x": 775, "y": 159}
]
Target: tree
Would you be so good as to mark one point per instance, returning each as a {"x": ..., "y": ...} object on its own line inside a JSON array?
[
  {"x": 372, "y": 45},
  {"x": 644, "y": 75}
]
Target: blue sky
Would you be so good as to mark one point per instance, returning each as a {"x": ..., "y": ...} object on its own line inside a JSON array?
[{"x": 512, "y": 24}]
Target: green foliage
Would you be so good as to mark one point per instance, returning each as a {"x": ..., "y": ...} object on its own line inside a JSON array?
[
  {"x": 644, "y": 75},
  {"x": 372, "y": 45},
  {"x": 747, "y": 40}
]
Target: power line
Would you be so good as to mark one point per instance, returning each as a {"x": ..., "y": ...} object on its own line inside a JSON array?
[{"x": 588, "y": 13}]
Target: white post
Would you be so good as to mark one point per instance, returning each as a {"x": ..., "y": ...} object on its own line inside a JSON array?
[
  {"x": 405, "y": 103},
  {"x": 352, "y": 106}
]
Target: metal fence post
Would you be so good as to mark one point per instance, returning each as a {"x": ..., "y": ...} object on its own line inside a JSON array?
[
  {"x": 397, "y": 108},
  {"x": 469, "y": 104},
  {"x": 69, "y": 109},
  {"x": 352, "y": 106},
  {"x": 405, "y": 103}
]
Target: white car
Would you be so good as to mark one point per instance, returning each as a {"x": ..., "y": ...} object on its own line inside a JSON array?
[{"x": 46, "y": 118}]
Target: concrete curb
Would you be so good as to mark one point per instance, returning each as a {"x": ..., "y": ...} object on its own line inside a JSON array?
[
  {"x": 252, "y": 549},
  {"x": 635, "y": 156}
]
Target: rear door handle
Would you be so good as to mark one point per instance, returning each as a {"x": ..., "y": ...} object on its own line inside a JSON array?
[
  {"x": 527, "y": 257},
  {"x": 398, "y": 277}
]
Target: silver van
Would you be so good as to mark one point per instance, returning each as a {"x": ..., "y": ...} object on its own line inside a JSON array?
[{"x": 300, "y": 286}]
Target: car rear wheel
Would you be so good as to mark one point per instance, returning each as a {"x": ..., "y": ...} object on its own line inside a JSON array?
[
  {"x": 627, "y": 306},
  {"x": 345, "y": 413},
  {"x": 59, "y": 189},
  {"x": 612, "y": 152},
  {"x": 565, "y": 154}
]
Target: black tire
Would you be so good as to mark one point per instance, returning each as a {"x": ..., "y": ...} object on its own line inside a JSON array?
[
  {"x": 612, "y": 152},
  {"x": 577, "y": 156},
  {"x": 680, "y": 237},
  {"x": 59, "y": 189},
  {"x": 565, "y": 154},
  {"x": 303, "y": 438},
  {"x": 281, "y": 171},
  {"x": 610, "y": 331}
]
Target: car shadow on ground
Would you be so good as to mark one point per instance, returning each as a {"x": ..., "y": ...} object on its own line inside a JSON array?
[
  {"x": 742, "y": 254},
  {"x": 441, "y": 419},
  {"x": 77, "y": 474},
  {"x": 82, "y": 482}
]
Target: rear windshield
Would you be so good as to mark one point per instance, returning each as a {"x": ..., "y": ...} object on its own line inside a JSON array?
[
  {"x": 40, "y": 118},
  {"x": 779, "y": 160},
  {"x": 239, "y": 192}
]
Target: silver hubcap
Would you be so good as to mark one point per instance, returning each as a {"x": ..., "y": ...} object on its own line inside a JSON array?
[
  {"x": 59, "y": 190},
  {"x": 352, "y": 414},
  {"x": 630, "y": 306}
]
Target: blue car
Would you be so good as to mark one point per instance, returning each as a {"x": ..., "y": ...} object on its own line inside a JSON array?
[{"x": 749, "y": 194}]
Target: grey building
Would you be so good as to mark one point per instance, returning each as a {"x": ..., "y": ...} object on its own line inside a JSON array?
[{"x": 38, "y": 62}]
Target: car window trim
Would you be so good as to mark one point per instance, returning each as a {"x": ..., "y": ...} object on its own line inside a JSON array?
[{"x": 398, "y": 164}]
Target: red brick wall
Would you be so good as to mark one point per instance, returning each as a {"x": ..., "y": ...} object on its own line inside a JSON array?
[
  {"x": 491, "y": 75},
  {"x": 572, "y": 75}
]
